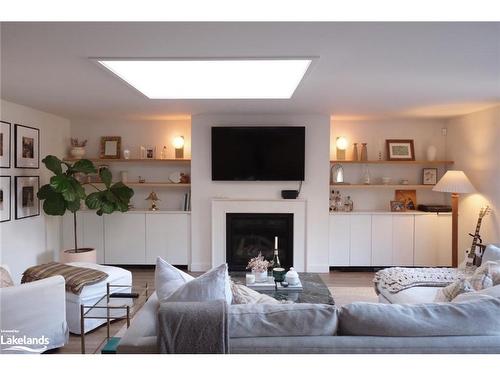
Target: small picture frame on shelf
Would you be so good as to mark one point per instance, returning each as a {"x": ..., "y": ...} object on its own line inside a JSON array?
[
  {"x": 150, "y": 152},
  {"x": 400, "y": 149},
  {"x": 111, "y": 147},
  {"x": 5, "y": 144},
  {"x": 397, "y": 206},
  {"x": 408, "y": 197},
  {"x": 429, "y": 176},
  {"x": 5, "y": 198},
  {"x": 27, "y": 147},
  {"x": 27, "y": 203}
]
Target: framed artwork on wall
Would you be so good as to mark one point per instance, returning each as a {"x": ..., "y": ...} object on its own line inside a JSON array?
[
  {"x": 429, "y": 176},
  {"x": 111, "y": 147},
  {"x": 400, "y": 149},
  {"x": 5, "y": 198},
  {"x": 27, "y": 147},
  {"x": 27, "y": 203},
  {"x": 5, "y": 144}
]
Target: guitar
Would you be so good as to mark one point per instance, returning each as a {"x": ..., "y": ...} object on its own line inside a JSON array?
[{"x": 473, "y": 260}]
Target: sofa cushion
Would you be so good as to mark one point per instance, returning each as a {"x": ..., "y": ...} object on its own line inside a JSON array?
[
  {"x": 434, "y": 319},
  {"x": 5, "y": 279},
  {"x": 212, "y": 285},
  {"x": 493, "y": 291},
  {"x": 491, "y": 253},
  {"x": 168, "y": 278},
  {"x": 301, "y": 319}
]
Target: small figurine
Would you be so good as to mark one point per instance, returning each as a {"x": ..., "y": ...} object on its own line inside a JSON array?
[{"x": 153, "y": 198}]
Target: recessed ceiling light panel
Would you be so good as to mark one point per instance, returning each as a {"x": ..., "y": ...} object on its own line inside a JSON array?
[{"x": 211, "y": 79}]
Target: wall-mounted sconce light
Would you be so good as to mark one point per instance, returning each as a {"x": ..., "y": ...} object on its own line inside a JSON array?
[
  {"x": 179, "y": 147},
  {"x": 341, "y": 144}
]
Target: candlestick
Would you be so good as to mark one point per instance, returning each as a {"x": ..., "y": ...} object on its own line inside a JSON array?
[{"x": 276, "y": 242}]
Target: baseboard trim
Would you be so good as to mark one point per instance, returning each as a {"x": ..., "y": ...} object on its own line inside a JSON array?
[
  {"x": 200, "y": 267},
  {"x": 319, "y": 268}
]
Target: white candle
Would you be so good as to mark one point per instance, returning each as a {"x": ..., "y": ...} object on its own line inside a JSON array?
[{"x": 276, "y": 242}]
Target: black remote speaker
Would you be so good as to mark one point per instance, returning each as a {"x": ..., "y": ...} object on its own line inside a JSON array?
[{"x": 289, "y": 194}]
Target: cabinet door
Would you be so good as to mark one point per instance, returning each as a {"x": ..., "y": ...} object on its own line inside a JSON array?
[
  {"x": 68, "y": 231},
  {"x": 167, "y": 236},
  {"x": 426, "y": 240},
  {"x": 444, "y": 240},
  {"x": 402, "y": 240},
  {"x": 125, "y": 238},
  {"x": 93, "y": 233},
  {"x": 339, "y": 240},
  {"x": 382, "y": 240},
  {"x": 361, "y": 240}
]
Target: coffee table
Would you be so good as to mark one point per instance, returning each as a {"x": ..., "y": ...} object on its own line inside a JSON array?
[{"x": 313, "y": 290}]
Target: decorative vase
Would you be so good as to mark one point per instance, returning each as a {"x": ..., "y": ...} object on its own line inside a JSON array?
[
  {"x": 431, "y": 153},
  {"x": 355, "y": 152},
  {"x": 77, "y": 152},
  {"x": 364, "y": 152},
  {"x": 260, "y": 276},
  {"x": 126, "y": 154}
]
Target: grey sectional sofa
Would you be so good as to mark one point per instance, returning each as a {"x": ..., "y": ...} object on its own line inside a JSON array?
[{"x": 469, "y": 327}]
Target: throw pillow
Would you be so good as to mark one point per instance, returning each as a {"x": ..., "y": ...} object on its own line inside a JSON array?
[
  {"x": 494, "y": 270},
  {"x": 491, "y": 254},
  {"x": 168, "y": 279},
  {"x": 5, "y": 279},
  {"x": 212, "y": 285},
  {"x": 493, "y": 292},
  {"x": 243, "y": 295},
  {"x": 449, "y": 292}
]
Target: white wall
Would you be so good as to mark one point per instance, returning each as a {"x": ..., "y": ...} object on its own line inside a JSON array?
[
  {"x": 34, "y": 240},
  {"x": 473, "y": 142},
  {"x": 424, "y": 132},
  {"x": 314, "y": 189},
  {"x": 134, "y": 134}
]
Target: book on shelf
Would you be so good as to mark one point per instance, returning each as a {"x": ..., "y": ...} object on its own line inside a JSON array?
[{"x": 187, "y": 202}]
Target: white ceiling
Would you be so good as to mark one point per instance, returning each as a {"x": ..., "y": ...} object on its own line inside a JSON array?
[{"x": 362, "y": 69}]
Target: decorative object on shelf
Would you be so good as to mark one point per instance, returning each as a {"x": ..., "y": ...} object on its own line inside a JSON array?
[
  {"x": 408, "y": 197},
  {"x": 124, "y": 176},
  {"x": 185, "y": 178},
  {"x": 366, "y": 176},
  {"x": 292, "y": 277},
  {"x": 429, "y": 176},
  {"x": 400, "y": 149},
  {"x": 142, "y": 180},
  {"x": 186, "y": 206},
  {"x": 65, "y": 192},
  {"x": 380, "y": 145},
  {"x": 163, "y": 153},
  {"x": 175, "y": 177},
  {"x": 27, "y": 202},
  {"x": 348, "y": 204},
  {"x": 364, "y": 152},
  {"x": 355, "y": 156},
  {"x": 404, "y": 181},
  {"x": 151, "y": 152},
  {"x": 126, "y": 154},
  {"x": 179, "y": 147},
  {"x": 397, "y": 206},
  {"x": 336, "y": 201},
  {"x": 341, "y": 145},
  {"x": 431, "y": 153},
  {"x": 153, "y": 198},
  {"x": 5, "y": 198},
  {"x": 142, "y": 152},
  {"x": 336, "y": 174},
  {"x": 5, "y": 139},
  {"x": 386, "y": 180},
  {"x": 77, "y": 150},
  {"x": 27, "y": 147},
  {"x": 456, "y": 183},
  {"x": 111, "y": 147},
  {"x": 259, "y": 267}
]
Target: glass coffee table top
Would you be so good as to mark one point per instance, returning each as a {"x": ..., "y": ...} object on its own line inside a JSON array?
[{"x": 313, "y": 290}]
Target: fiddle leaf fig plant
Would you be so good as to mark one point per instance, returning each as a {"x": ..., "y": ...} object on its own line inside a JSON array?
[{"x": 66, "y": 193}]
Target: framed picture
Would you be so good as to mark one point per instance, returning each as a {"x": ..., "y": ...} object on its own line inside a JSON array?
[
  {"x": 429, "y": 176},
  {"x": 400, "y": 149},
  {"x": 5, "y": 199},
  {"x": 27, "y": 203},
  {"x": 408, "y": 197},
  {"x": 397, "y": 206},
  {"x": 27, "y": 147},
  {"x": 111, "y": 147},
  {"x": 4, "y": 144},
  {"x": 150, "y": 152}
]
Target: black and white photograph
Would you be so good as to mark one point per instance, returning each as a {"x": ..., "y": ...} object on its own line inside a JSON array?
[
  {"x": 27, "y": 145},
  {"x": 5, "y": 144},
  {"x": 5, "y": 209},
  {"x": 27, "y": 203}
]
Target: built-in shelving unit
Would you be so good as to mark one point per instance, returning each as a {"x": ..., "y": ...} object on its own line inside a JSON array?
[
  {"x": 108, "y": 161},
  {"x": 381, "y": 186},
  {"x": 394, "y": 162}
]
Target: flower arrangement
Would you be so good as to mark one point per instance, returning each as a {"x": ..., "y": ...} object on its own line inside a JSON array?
[
  {"x": 258, "y": 264},
  {"x": 76, "y": 143}
]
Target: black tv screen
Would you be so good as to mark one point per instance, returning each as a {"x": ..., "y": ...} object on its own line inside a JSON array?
[{"x": 259, "y": 153}]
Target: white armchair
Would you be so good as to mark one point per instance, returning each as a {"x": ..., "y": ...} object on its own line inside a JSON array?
[{"x": 35, "y": 310}]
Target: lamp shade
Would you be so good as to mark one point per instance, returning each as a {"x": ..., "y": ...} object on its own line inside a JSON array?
[{"x": 454, "y": 182}]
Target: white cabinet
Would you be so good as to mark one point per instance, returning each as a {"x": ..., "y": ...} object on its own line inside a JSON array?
[
  {"x": 432, "y": 240},
  {"x": 402, "y": 240},
  {"x": 125, "y": 238},
  {"x": 382, "y": 240},
  {"x": 444, "y": 240},
  {"x": 340, "y": 237},
  {"x": 167, "y": 236},
  {"x": 361, "y": 240}
]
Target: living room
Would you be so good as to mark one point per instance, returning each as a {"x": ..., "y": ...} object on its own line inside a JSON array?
[{"x": 249, "y": 188}]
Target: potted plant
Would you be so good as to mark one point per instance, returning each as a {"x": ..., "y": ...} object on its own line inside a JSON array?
[
  {"x": 66, "y": 192},
  {"x": 77, "y": 148},
  {"x": 259, "y": 267}
]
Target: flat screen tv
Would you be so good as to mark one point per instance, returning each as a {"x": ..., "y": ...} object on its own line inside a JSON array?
[{"x": 258, "y": 153}]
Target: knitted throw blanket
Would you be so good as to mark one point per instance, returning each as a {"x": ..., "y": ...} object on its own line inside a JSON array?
[
  {"x": 76, "y": 277},
  {"x": 396, "y": 279}
]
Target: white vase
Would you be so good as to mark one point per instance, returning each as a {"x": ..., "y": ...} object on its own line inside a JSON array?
[
  {"x": 260, "y": 277},
  {"x": 431, "y": 153},
  {"x": 77, "y": 152}
]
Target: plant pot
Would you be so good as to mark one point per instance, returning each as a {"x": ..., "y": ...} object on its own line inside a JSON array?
[
  {"x": 86, "y": 255},
  {"x": 260, "y": 277},
  {"x": 77, "y": 152}
]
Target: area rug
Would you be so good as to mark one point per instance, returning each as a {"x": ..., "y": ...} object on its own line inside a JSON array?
[{"x": 345, "y": 295}]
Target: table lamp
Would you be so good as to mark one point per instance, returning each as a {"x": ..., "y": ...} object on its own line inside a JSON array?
[{"x": 456, "y": 183}]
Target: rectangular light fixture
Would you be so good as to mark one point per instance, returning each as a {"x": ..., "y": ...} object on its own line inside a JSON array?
[{"x": 210, "y": 78}]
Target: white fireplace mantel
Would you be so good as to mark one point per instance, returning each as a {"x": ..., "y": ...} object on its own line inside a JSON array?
[{"x": 297, "y": 207}]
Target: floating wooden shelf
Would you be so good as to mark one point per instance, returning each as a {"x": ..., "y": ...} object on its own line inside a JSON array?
[
  {"x": 380, "y": 186},
  {"x": 151, "y": 184},
  {"x": 416, "y": 162},
  {"x": 108, "y": 161}
]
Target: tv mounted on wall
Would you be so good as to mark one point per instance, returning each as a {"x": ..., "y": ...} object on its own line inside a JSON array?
[{"x": 258, "y": 153}]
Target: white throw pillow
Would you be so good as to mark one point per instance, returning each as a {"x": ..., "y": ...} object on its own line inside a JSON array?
[
  {"x": 168, "y": 279},
  {"x": 491, "y": 254},
  {"x": 212, "y": 285},
  {"x": 493, "y": 291}
]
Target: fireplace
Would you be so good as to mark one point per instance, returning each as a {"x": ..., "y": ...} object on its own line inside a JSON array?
[{"x": 249, "y": 233}]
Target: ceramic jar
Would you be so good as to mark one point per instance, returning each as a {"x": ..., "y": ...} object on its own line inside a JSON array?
[
  {"x": 292, "y": 277},
  {"x": 260, "y": 277}
]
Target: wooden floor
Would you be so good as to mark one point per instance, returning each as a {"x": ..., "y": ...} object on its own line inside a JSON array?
[{"x": 345, "y": 287}]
